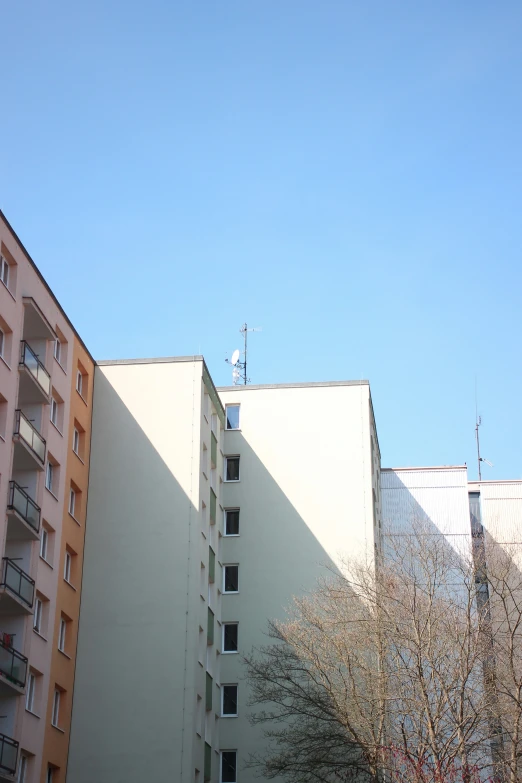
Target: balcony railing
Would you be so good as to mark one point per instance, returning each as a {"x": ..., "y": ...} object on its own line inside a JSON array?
[
  {"x": 20, "y": 502},
  {"x": 8, "y": 754},
  {"x": 17, "y": 581},
  {"x": 13, "y": 665},
  {"x": 31, "y": 361},
  {"x": 30, "y": 435}
]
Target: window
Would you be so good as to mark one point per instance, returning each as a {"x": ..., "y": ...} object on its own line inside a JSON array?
[
  {"x": 4, "y": 271},
  {"x": 231, "y": 579},
  {"x": 29, "y": 697},
  {"x": 22, "y": 769},
  {"x": 61, "y": 635},
  {"x": 37, "y": 617},
  {"x": 232, "y": 413},
  {"x": 54, "y": 411},
  {"x": 231, "y": 468},
  {"x": 79, "y": 382},
  {"x": 72, "y": 501},
  {"x": 229, "y": 701},
  {"x": 231, "y": 521},
  {"x": 67, "y": 567},
  {"x": 43, "y": 543},
  {"x": 50, "y": 775},
  {"x": 49, "y": 476},
  {"x": 76, "y": 441},
  {"x": 56, "y": 709},
  {"x": 230, "y": 637},
  {"x": 58, "y": 350},
  {"x": 228, "y": 766},
  {"x": 2, "y": 343}
]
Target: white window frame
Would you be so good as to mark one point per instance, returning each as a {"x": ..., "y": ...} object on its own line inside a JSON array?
[
  {"x": 230, "y": 535},
  {"x": 231, "y": 750},
  {"x": 49, "y": 778},
  {"x": 229, "y": 685},
  {"x": 4, "y": 266},
  {"x": 79, "y": 382},
  {"x": 72, "y": 501},
  {"x": 58, "y": 350},
  {"x": 22, "y": 769},
  {"x": 31, "y": 688},
  {"x": 232, "y": 481},
  {"x": 49, "y": 475},
  {"x": 44, "y": 542},
  {"x": 38, "y": 614},
  {"x": 61, "y": 634},
  {"x": 54, "y": 411},
  {"x": 2, "y": 343},
  {"x": 225, "y": 566},
  {"x": 228, "y": 652},
  {"x": 55, "y": 715},
  {"x": 76, "y": 441},
  {"x": 67, "y": 567},
  {"x": 233, "y": 405}
]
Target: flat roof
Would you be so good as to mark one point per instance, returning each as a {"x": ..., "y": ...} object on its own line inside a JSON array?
[
  {"x": 431, "y": 467},
  {"x": 306, "y": 385},
  {"x": 156, "y": 360},
  {"x": 499, "y": 481}
]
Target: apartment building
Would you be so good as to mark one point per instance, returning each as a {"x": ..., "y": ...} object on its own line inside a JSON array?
[{"x": 46, "y": 377}]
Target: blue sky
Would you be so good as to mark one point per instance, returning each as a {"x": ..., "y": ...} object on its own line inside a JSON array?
[{"x": 346, "y": 175}]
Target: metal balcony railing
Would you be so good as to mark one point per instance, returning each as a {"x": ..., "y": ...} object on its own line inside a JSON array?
[
  {"x": 8, "y": 754},
  {"x": 13, "y": 665},
  {"x": 31, "y": 361},
  {"x": 30, "y": 435},
  {"x": 19, "y": 501},
  {"x": 17, "y": 581}
]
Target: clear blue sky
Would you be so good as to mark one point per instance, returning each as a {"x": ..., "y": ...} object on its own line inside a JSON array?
[{"x": 345, "y": 174}]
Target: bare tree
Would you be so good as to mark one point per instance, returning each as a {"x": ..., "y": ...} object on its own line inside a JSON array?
[{"x": 380, "y": 672}]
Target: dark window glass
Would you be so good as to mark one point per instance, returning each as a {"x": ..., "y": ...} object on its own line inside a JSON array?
[
  {"x": 232, "y": 522},
  {"x": 229, "y": 699},
  {"x": 230, "y": 637},
  {"x": 232, "y": 417},
  {"x": 228, "y": 766},
  {"x": 232, "y": 469},
  {"x": 231, "y": 578}
]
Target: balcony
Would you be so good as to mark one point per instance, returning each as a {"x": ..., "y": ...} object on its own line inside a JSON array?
[
  {"x": 23, "y": 515},
  {"x": 16, "y": 589},
  {"x": 35, "y": 381},
  {"x": 8, "y": 757},
  {"x": 29, "y": 451},
  {"x": 13, "y": 670}
]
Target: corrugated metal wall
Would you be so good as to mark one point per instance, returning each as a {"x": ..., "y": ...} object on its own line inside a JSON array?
[{"x": 502, "y": 510}]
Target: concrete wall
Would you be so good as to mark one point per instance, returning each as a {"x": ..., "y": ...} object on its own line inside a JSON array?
[
  {"x": 305, "y": 500},
  {"x": 138, "y": 677}
]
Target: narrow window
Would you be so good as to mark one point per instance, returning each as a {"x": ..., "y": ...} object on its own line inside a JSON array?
[
  {"x": 37, "y": 619},
  {"x": 50, "y": 776},
  {"x": 43, "y": 543},
  {"x": 4, "y": 271},
  {"x": 228, "y": 766},
  {"x": 29, "y": 699},
  {"x": 79, "y": 382},
  {"x": 54, "y": 411},
  {"x": 231, "y": 579},
  {"x": 230, "y": 637},
  {"x": 61, "y": 635},
  {"x": 22, "y": 771},
  {"x": 72, "y": 501},
  {"x": 232, "y": 413},
  {"x": 232, "y": 522},
  {"x": 57, "y": 350},
  {"x": 76, "y": 441},
  {"x": 2, "y": 343},
  {"x": 67, "y": 567},
  {"x": 49, "y": 476},
  {"x": 229, "y": 701},
  {"x": 231, "y": 468},
  {"x": 56, "y": 708}
]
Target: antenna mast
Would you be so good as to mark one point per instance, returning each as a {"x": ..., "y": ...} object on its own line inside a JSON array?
[
  {"x": 239, "y": 369},
  {"x": 479, "y": 458}
]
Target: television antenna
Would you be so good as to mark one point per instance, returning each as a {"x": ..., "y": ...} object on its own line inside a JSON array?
[
  {"x": 480, "y": 459},
  {"x": 239, "y": 368}
]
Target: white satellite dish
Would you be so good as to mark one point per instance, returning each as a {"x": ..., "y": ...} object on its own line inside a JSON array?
[{"x": 235, "y": 357}]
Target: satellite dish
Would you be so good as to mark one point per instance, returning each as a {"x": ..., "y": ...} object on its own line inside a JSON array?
[{"x": 235, "y": 357}]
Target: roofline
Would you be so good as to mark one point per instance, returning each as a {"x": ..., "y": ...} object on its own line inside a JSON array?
[
  {"x": 155, "y": 360},
  {"x": 500, "y": 481},
  {"x": 309, "y": 385},
  {"x": 45, "y": 283},
  {"x": 430, "y": 467}
]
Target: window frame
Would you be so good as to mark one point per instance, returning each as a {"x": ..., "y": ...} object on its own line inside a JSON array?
[
  {"x": 2, "y": 343},
  {"x": 225, "y": 566},
  {"x": 221, "y": 754},
  {"x": 44, "y": 542},
  {"x": 76, "y": 441},
  {"x": 22, "y": 769},
  {"x": 229, "y": 714},
  {"x": 49, "y": 474},
  {"x": 72, "y": 501},
  {"x": 54, "y": 410},
  {"x": 55, "y": 712},
  {"x": 29, "y": 697},
  {"x": 232, "y": 481},
  {"x": 231, "y": 535},
  {"x": 79, "y": 382},
  {"x": 57, "y": 353},
  {"x": 229, "y": 652},
  {"x": 38, "y": 615},
  {"x": 233, "y": 405},
  {"x": 4, "y": 265},
  {"x": 67, "y": 567},
  {"x": 62, "y": 630}
]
